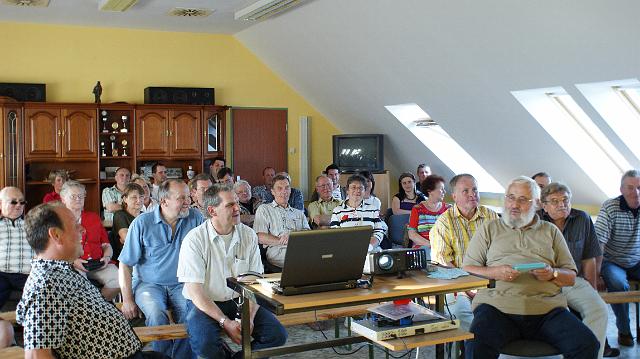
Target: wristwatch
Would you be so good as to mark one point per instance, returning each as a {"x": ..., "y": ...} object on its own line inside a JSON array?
[
  {"x": 221, "y": 322},
  {"x": 555, "y": 274}
]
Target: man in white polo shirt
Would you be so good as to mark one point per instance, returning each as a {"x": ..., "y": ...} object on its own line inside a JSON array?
[{"x": 219, "y": 248}]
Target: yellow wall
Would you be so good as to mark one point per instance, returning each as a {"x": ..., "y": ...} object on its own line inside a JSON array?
[{"x": 70, "y": 59}]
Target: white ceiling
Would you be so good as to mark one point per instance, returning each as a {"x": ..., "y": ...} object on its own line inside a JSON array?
[
  {"x": 458, "y": 60},
  {"x": 145, "y": 14}
]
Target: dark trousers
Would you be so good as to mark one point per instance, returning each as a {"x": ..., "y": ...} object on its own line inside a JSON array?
[
  {"x": 10, "y": 282},
  {"x": 493, "y": 329},
  {"x": 147, "y": 355},
  {"x": 204, "y": 331}
]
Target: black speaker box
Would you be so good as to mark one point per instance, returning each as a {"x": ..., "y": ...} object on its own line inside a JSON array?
[
  {"x": 180, "y": 95},
  {"x": 24, "y": 92}
]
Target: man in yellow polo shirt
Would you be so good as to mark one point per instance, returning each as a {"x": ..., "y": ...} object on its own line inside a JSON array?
[
  {"x": 320, "y": 210},
  {"x": 452, "y": 232}
]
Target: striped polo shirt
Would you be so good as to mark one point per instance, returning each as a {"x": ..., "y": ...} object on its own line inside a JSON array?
[
  {"x": 366, "y": 214},
  {"x": 618, "y": 230}
]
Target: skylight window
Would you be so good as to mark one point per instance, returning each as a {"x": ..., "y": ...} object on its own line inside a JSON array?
[
  {"x": 442, "y": 145},
  {"x": 618, "y": 103},
  {"x": 578, "y": 136}
]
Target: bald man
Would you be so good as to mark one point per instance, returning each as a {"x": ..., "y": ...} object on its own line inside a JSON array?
[{"x": 15, "y": 252}]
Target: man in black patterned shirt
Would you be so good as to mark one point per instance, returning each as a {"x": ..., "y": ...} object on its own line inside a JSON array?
[{"x": 63, "y": 314}]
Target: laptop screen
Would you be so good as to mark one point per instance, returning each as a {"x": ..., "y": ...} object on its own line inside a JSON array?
[{"x": 325, "y": 256}]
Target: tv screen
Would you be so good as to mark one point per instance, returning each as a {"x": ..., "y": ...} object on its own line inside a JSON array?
[{"x": 354, "y": 153}]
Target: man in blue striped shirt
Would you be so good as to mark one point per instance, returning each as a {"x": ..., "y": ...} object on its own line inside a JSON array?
[{"x": 618, "y": 230}]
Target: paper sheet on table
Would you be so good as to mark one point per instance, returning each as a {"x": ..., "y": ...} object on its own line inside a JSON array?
[{"x": 446, "y": 273}]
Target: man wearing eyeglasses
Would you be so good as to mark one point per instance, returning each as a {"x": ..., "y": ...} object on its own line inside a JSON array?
[
  {"x": 618, "y": 230},
  {"x": 579, "y": 233},
  {"x": 15, "y": 252},
  {"x": 321, "y": 209},
  {"x": 524, "y": 304}
]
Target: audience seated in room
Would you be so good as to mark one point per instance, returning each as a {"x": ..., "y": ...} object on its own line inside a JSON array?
[
  {"x": 617, "y": 229},
  {"x": 355, "y": 211},
  {"x": 579, "y": 233},
  {"x": 451, "y": 233},
  {"x": 264, "y": 191},
  {"x": 276, "y": 220},
  {"x": 132, "y": 198},
  {"x": 148, "y": 202},
  {"x": 57, "y": 178},
  {"x": 248, "y": 204},
  {"x": 95, "y": 241},
  {"x": 542, "y": 179},
  {"x": 216, "y": 164},
  {"x": 197, "y": 186},
  {"x": 204, "y": 265},
  {"x": 153, "y": 246},
  {"x": 524, "y": 305},
  {"x": 112, "y": 196},
  {"x": 15, "y": 252},
  {"x": 407, "y": 196},
  {"x": 424, "y": 214},
  {"x": 159, "y": 173},
  {"x": 321, "y": 209},
  {"x": 63, "y": 314},
  {"x": 225, "y": 175}
]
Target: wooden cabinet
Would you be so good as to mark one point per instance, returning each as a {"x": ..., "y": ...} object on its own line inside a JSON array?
[
  {"x": 169, "y": 132},
  {"x": 60, "y": 132},
  {"x": 152, "y": 129},
  {"x": 184, "y": 130},
  {"x": 11, "y": 144},
  {"x": 213, "y": 130}
]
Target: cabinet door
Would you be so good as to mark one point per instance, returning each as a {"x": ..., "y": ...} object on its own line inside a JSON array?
[
  {"x": 184, "y": 133},
  {"x": 79, "y": 133},
  {"x": 213, "y": 133},
  {"x": 152, "y": 132},
  {"x": 42, "y": 133}
]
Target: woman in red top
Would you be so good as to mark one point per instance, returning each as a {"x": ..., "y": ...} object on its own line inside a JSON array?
[
  {"x": 57, "y": 178},
  {"x": 424, "y": 214},
  {"x": 95, "y": 241}
]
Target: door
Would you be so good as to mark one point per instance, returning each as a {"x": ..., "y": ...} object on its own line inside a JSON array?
[
  {"x": 79, "y": 133},
  {"x": 152, "y": 133},
  {"x": 42, "y": 133},
  {"x": 259, "y": 140},
  {"x": 184, "y": 133}
]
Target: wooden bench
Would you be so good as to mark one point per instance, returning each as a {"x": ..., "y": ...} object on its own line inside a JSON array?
[
  {"x": 12, "y": 353},
  {"x": 632, "y": 296}
]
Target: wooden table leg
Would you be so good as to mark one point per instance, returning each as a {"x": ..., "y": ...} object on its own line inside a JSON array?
[
  {"x": 440, "y": 309},
  {"x": 246, "y": 329}
]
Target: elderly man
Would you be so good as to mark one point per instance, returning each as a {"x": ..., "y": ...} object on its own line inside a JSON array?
[
  {"x": 320, "y": 210},
  {"x": 248, "y": 204},
  {"x": 159, "y": 173},
  {"x": 528, "y": 304},
  {"x": 198, "y": 185},
  {"x": 63, "y": 314},
  {"x": 219, "y": 248},
  {"x": 580, "y": 235},
  {"x": 542, "y": 179},
  {"x": 112, "y": 196},
  {"x": 215, "y": 166},
  {"x": 452, "y": 232},
  {"x": 618, "y": 230},
  {"x": 333, "y": 172},
  {"x": 153, "y": 246},
  {"x": 276, "y": 220},
  {"x": 15, "y": 252}
]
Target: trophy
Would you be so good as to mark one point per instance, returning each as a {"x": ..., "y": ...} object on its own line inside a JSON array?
[
  {"x": 124, "y": 147},
  {"x": 102, "y": 153},
  {"x": 115, "y": 126},
  {"x": 114, "y": 150},
  {"x": 124, "y": 125},
  {"x": 104, "y": 121}
]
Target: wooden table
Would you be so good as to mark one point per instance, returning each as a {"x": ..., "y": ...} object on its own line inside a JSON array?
[{"x": 385, "y": 288}]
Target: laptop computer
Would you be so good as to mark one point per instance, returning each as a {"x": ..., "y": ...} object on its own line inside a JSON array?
[{"x": 322, "y": 260}]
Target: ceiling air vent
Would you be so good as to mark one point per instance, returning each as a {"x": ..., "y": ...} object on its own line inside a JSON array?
[
  {"x": 29, "y": 3},
  {"x": 425, "y": 122},
  {"x": 116, "y": 5},
  {"x": 190, "y": 12},
  {"x": 264, "y": 9}
]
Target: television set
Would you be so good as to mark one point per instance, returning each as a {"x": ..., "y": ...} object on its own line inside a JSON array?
[{"x": 353, "y": 153}]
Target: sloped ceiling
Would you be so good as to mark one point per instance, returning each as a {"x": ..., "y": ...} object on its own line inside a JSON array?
[{"x": 458, "y": 60}]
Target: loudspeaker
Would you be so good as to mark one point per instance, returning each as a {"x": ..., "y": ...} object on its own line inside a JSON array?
[
  {"x": 24, "y": 92},
  {"x": 179, "y": 95},
  {"x": 393, "y": 261}
]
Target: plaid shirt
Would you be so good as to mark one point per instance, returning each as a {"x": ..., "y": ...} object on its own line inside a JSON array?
[
  {"x": 15, "y": 251},
  {"x": 452, "y": 232}
]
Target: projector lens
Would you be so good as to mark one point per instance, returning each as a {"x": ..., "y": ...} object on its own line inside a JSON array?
[{"x": 385, "y": 262}]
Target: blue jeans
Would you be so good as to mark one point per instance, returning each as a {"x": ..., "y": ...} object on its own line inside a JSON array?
[
  {"x": 493, "y": 329},
  {"x": 155, "y": 300},
  {"x": 204, "y": 331},
  {"x": 615, "y": 277}
]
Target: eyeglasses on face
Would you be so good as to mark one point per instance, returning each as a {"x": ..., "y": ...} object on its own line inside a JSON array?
[
  {"x": 77, "y": 197},
  {"x": 555, "y": 202},
  {"x": 520, "y": 200},
  {"x": 18, "y": 202}
]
